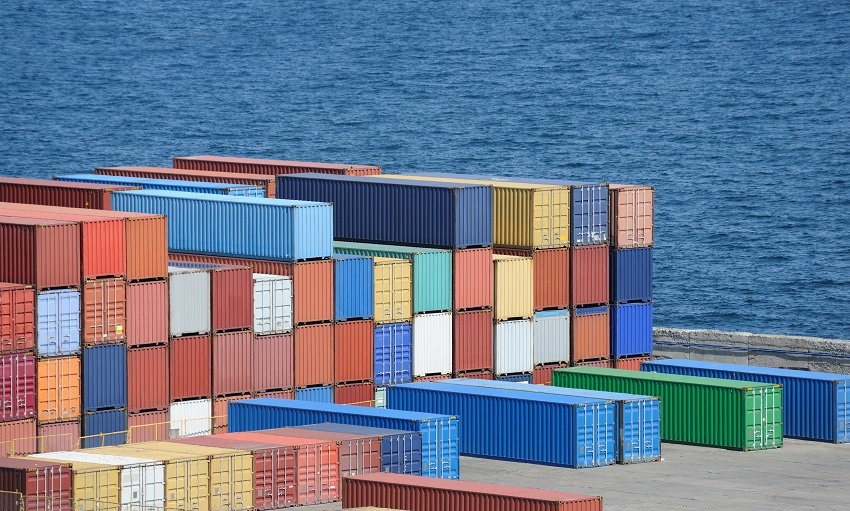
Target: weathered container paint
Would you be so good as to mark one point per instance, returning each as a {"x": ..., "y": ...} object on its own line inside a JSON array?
[
  {"x": 472, "y": 341},
  {"x": 272, "y": 304},
  {"x": 104, "y": 309},
  {"x": 219, "y": 412},
  {"x": 232, "y": 290},
  {"x": 146, "y": 183},
  {"x": 58, "y": 436},
  {"x": 313, "y": 285},
  {"x": 354, "y": 287},
  {"x": 17, "y": 318},
  {"x": 630, "y": 363},
  {"x": 270, "y": 167},
  {"x": 232, "y": 363},
  {"x": 513, "y": 347},
  {"x": 744, "y": 416},
  {"x": 147, "y": 378},
  {"x": 106, "y": 427},
  {"x": 358, "y": 394},
  {"x": 41, "y": 253},
  {"x": 393, "y": 290},
  {"x": 525, "y": 378},
  {"x": 432, "y": 344},
  {"x": 17, "y": 392},
  {"x": 190, "y": 362},
  {"x": 190, "y": 418},
  {"x": 353, "y": 351},
  {"x": 315, "y": 394},
  {"x": 274, "y": 362},
  {"x": 513, "y": 287},
  {"x": 632, "y": 215},
  {"x": 189, "y": 301},
  {"x": 472, "y": 279},
  {"x": 542, "y": 374},
  {"x": 18, "y": 438},
  {"x": 146, "y": 316},
  {"x": 591, "y": 334},
  {"x": 589, "y": 272},
  {"x": 631, "y": 329},
  {"x": 43, "y": 484},
  {"x": 147, "y": 426},
  {"x": 551, "y": 340},
  {"x": 58, "y": 389},
  {"x": 392, "y": 353},
  {"x": 250, "y": 227},
  {"x": 314, "y": 361},
  {"x": 358, "y": 454},
  {"x": 104, "y": 377},
  {"x": 54, "y": 193},
  {"x": 199, "y": 176},
  {"x": 815, "y": 405},
  {"x": 631, "y": 275}
]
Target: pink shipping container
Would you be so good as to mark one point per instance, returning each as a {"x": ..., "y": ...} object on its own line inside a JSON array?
[
  {"x": 147, "y": 313},
  {"x": 360, "y": 394},
  {"x": 219, "y": 411},
  {"x": 232, "y": 298},
  {"x": 59, "y": 436},
  {"x": 147, "y": 378},
  {"x": 274, "y": 362},
  {"x": 542, "y": 374},
  {"x": 147, "y": 426},
  {"x": 189, "y": 367},
  {"x": 18, "y": 438},
  {"x": 45, "y": 485},
  {"x": 58, "y": 193},
  {"x": 17, "y": 387},
  {"x": 270, "y": 167},
  {"x": 314, "y": 360},
  {"x": 632, "y": 215},
  {"x": 41, "y": 253},
  {"x": 472, "y": 278},
  {"x": 589, "y": 271},
  {"x": 232, "y": 363},
  {"x": 354, "y": 351},
  {"x": 265, "y": 182},
  {"x": 104, "y": 311},
  {"x": 591, "y": 335},
  {"x": 473, "y": 341},
  {"x": 17, "y": 318},
  {"x": 632, "y": 364}
]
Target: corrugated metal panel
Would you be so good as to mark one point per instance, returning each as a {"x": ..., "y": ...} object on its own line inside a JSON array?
[
  {"x": 551, "y": 279},
  {"x": 54, "y": 193},
  {"x": 147, "y": 313},
  {"x": 313, "y": 285},
  {"x": 231, "y": 295},
  {"x": 189, "y": 299},
  {"x": 58, "y": 389},
  {"x": 232, "y": 363},
  {"x": 41, "y": 253},
  {"x": 631, "y": 275},
  {"x": 190, "y": 362},
  {"x": 270, "y": 167},
  {"x": 513, "y": 287},
  {"x": 589, "y": 215},
  {"x": 589, "y": 273},
  {"x": 380, "y": 397},
  {"x": 166, "y": 184},
  {"x": 219, "y": 413},
  {"x": 104, "y": 377},
  {"x": 17, "y": 438},
  {"x": 274, "y": 362},
  {"x": 315, "y": 394},
  {"x": 473, "y": 279},
  {"x": 147, "y": 378},
  {"x": 44, "y": 485},
  {"x": 359, "y": 394},
  {"x": 609, "y": 363},
  {"x": 147, "y": 246},
  {"x": 272, "y": 304},
  {"x": 59, "y": 436},
  {"x": 512, "y": 347},
  {"x": 92, "y": 483},
  {"x": 231, "y": 226},
  {"x": 353, "y": 351},
  {"x": 147, "y": 426},
  {"x": 17, "y": 387},
  {"x": 198, "y": 176},
  {"x": 631, "y": 329},
  {"x": 354, "y": 287},
  {"x": 591, "y": 334},
  {"x": 314, "y": 361},
  {"x": 392, "y": 353},
  {"x": 524, "y": 378},
  {"x": 393, "y": 290},
  {"x": 632, "y": 215},
  {"x": 432, "y": 344},
  {"x": 278, "y": 394},
  {"x": 17, "y": 318},
  {"x": 106, "y": 427},
  {"x": 472, "y": 341},
  {"x": 190, "y": 418},
  {"x": 542, "y": 374},
  {"x": 104, "y": 310},
  {"x": 631, "y": 363},
  {"x": 551, "y": 337}
]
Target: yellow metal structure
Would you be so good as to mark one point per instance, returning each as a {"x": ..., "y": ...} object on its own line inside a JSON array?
[{"x": 393, "y": 290}]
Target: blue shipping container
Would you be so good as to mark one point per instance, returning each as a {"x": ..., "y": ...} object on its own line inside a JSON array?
[
  {"x": 104, "y": 377},
  {"x": 816, "y": 406},
  {"x": 315, "y": 394},
  {"x": 228, "y": 226},
  {"x": 108, "y": 427},
  {"x": 638, "y": 417},
  {"x": 392, "y": 353},
  {"x": 399, "y": 212},
  {"x": 167, "y": 184},
  {"x": 631, "y": 329},
  {"x": 439, "y": 432},
  {"x": 512, "y": 425},
  {"x": 401, "y": 451},
  {"x": 354, "y": 287},
  {"x": 630, "y": 278},
  {"x": 516, "y": 378},
  {"x": 58, "y": 320}
]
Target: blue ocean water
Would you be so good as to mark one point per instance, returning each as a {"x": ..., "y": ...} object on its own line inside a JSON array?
[{"x": 737, "y": 112}]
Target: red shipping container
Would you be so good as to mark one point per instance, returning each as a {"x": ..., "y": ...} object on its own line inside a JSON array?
[
  {"x": 632, "y": 212},
  {"x": 58, "y": 193},
  {"x": 358, "y": 454},
  {"x": 595, "y": 363},
  {"x": 354, "y": 351},
  {"x": 632, "y": 364},
  {"x": 104, "y": 310},
  {"x": 232, "y": 298},
  {"x": 17, "y": 386},
  {"x": 277, "y": 394},
  {"x": 475, "y": 375},
  {"x": 267, "y": 183},
  {"x": 314, "y": 359},
  {"x": 551, "y": 276},
  {"x": 360, "y": 394},
  {"x": 274, "y": 362},
  {"x": 147, "y": 427},
  {"x": 472, "y": 280},
  {"x": 17, "y": 318},
  {"x": 589, "y": 274},
  {"x": 432, "y": 494},
  {"x": 41, "y": 253},
  {"x": 18, "y": 438},
  {"x": 59, "y": 436},
  {"x": 232, "y": 363},
  {"x": 270, "y": 167},
  {"x": 219, "y": 411},
  {"x": 44, "y": 485},
  {"x": 189, "y": 367},
  {"x": 147, "y": 378},
  {"x": 147, "y": 313},
  {"x": 590, "y": 336},
  {"x": 473, "y": 341},
  {"x": 542, "y": 374}
]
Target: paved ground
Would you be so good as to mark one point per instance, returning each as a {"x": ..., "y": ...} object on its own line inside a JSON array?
[{"x": 801, "y": 475}]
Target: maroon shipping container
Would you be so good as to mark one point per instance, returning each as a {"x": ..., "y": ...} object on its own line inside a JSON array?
[
  {"x": 632, "y": 364},
  {"x": 314, "y": 359},
  {"x": 58, "y": 436},
  {"x": 475, "y": 375},
  {"x": 270, "y": 167},
  {"x": 360, "y": 394},
  {"x": 473, "y": 341},
  {"x": 232, "y": 363},
  {"x": 551, "y": 276},
  {"x": 232, "y": 298},
  {"x": 17, "y": 318},
  {"x": 45, "y": 485},
  {"x": 354, "y": 351},
  {"x": 58, "y": 193},
  {"x": 472, "y": 278},
  {"x": 189, "y": 367},
  {"x": 590, "y": 336},
  {"x": 41, "y": 253},
  {"x": 147, "y": 313},
  {"x": 219, "y": 411},
  {"x": 542, "y": 374},
  {"x": 104, "y": 307},
  {"x": 358, "y": 454},
  {"x": 17, "y": 386},
  {"x": 147, "y": 426},
  {"x": 418, "y": 493},
  {"x": 17, "y": 438},
  {"x": 589, "y": 271},
  {"x": 274, "y": 362},
  {"x": 147, "y": 378},
  {"x": 265, "y": 182}
]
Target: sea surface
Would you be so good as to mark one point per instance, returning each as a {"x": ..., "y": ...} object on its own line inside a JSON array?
[{"x": 737, "y": 112}]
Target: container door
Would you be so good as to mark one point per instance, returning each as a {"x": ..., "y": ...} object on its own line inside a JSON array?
[
  {"x": 104, "y": 306},
  {"x": 761, "y": 422},
  {"x": 16, "y": 320},
  {"x": 401, "y": 292},
  {"x": 401, "y": 350},
  {"x": 58, "y": 323},
  {"x": 551, "y": 218},
  {"x": 383, "y": 292},
  {"x": 595, "y": 435},
  {"x": 542, "y": 206},
  {"x": 142, "y": 488},
  {"x": 842, "y": 393},
  {"x": 281, "y": 479}
]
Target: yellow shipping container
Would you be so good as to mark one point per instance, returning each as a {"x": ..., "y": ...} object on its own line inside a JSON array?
[
  {"x": 96, "y": 487},
  {"x": 513, "y": 287},
  {"x": 393, "y": 290},
  {"x": 58, "y": 389}
]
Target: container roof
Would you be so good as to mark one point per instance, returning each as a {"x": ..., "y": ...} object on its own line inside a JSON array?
[
  {"x": 692, "y": 380},
  {"x": 767, "y": 371},
  {"x": 341, "y": 409}
]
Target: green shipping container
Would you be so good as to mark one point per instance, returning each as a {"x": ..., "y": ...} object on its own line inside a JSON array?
[
  {"x": 741, "y": 415},
  {"x": 432, "y": 271}
]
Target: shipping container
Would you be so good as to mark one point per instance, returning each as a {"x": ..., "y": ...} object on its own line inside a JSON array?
[
  {"x": 270, "y": 167},
  {"x": 250, "y": 227},
  {"x": 314, "y": 360},
  {"x": 542, "y": 374},
  {"x": 609, "y": 363},
  {"x": 146, "y": 317},
  {"x": 198, "y": 176},
  {"x": 433, "y": 377},
  {"x": 54, "y": 193},
  {"x": 315, "y": 394},
  {"x": 58, "y": 389},
  {"x": 392, "y": 353},
  {"x": 231, "y": 298},
  {"x": 393, "y": 290},
  {"x": 44, "y": 485},
  {"x": 189, "y": 300},
  {"x": 146, "y": 183},
  {"x": 58, "y": 436},
  {"x": 40, "y": 253},
  {"x": 513, "y": 287},
  {"x": 551, "y": 279},
  {"x": 17, "y": 386},
  {"x": 631, "y": 329},
  {"x": 422, "y": 494},
  {"x": 93, "y": 484},
  {"x": 432, "y": 344},
  {"x": 590, "y": 338},
  {"x": 431, "y": 268},
  {"x": 551, "y": 340},
  {"x": 189, "y": 367},
  {"x": 106, "y": 427},
  {"x": 190, "y": 418},
  {"x": 353, "y": 351},
  {"x": 17, "y": 318},
  {"x": 358, "y": 394},
  {"x": 147, "y": 378},
  {"x": 219, "y": 412},
  {"x": 589, "y": 272},
  {"x": 103, "y": 312},
  {"x": 632, "y": 215},
  {"x": 313, "y": 287},
  {"x": 104, "y": 377},
  {"x": 380, "y": 397},
  {"x": 18, "y": 438},
  {"x": 232, "y": 363},
  {"x": 439, "y": 432},
  {"x": 272, "y": 304},
  {"x": 513, "y": 347},
  {"x": 475, "y": 375},
  {"x": 815, "y": 405},
  {"x": 631, "y": 275},
  {"x": 147, "y": 426},
  {"x": 744, "y": 416},
  {"x": 472, "y": 341},
  {"x": 630, "y": 363},
  {"x": 274, "y": 362},
  {"x": 277, "y": 394},
  {"x": 358, "y": 454},
  {"x": 472, "y": 282},
  {"x": 526, "y": 378},
  {"x": 354, "y": 287}
]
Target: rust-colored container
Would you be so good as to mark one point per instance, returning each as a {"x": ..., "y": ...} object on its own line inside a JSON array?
[
  {"x": 473, "y": 341},
  {"x": 354, "y": 351},
  {"x": 58, "y": 193},
  {"x": 270, "y": 167},
  {"x": 433, "y": 377},
  {"x": 17, "y": 386},
  {"x": 595, "y": 363},
  {"x": 147, "y": 313},
  {"x": 267, "y": 183},
  {"x": 189, "y": 367},
  {"x": 314, "y": 359},
  {"x": 58, "y": 436},
  {"x": 274, "y": 362},
  {"x": 551, "y": 276},
  {"x": 17, "y": 438},
  {"x": 278, "y": 394},
  {"x": 44, "y": 485},
  {"x": 147, "y": 426},
  {"x": 58, "y": 389},
  {"x": 41, "y": 253},
  {"x": 475, "y": 375},
  {"x": 360, "y": 394},
  {"x": 257, "y": 265},
  {"x": 589, "y": 271},
  {"x": 542, "y": 374},
  {"x": 358, "y": 454},
  {"x": 104, "y": 311},
  {"x": 632, "y": 364},
  {"x": 472, "y": 278},
  {"x": 232, "y": 363},
  {"x": 591, "y": 334},
  {"x": 147, "y": 378},
  {"x": 632, "y": 212},
  {"x": 219, "y": 411},
  {"x": 232, "y": 298},
  {"x": 431, "y": 494},
  {"x": 17, "y": 318}
]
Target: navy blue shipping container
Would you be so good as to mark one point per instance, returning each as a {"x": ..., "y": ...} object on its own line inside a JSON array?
[
  {"x": 638, "y": 417},
  {"x": 167, "y": 184},
  {"x": 440, "y": 457},
  {"x": 354, "y": 287},
  {"x": 631, "y": 329},
  {"x": 107, "y": 427},
  {"x": 104, "y": 377},
  {"x": 392, "y": 353},
  {"x": 399, "y": 212},
  {"x": 816, "y": 406},
  {"x": 401, "y": 451},
  {"x": 630, "y": 278},
  {"x": 566, "y": 431},
  {"x": 516, "y": 378},
  {"x": 315, "y": 394}
]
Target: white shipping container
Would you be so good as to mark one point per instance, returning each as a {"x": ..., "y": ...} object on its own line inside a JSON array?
[
  {"x": 190, "y": 418},
  {"x": 272, "y": 304},
  {"x": 551, "y": 337},
  {"x": 188, "y": 301},
  {"x": 432, "y": 344},
  {"x": 380, "y": 397},
  {"x": 512, "y": 346}
]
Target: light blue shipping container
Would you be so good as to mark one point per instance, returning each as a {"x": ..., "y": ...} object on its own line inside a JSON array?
[
  {"x": 58, "y": 321},
  {"x": 256, "y": 228},
  {"x": 638, "y": 417},
  {"x": 104, "y": 377},
  {"x": 354, "y": 287},
  {"x": 631, "y": 329},
  {"x": 315, "y": 394},
  {"x": 167, "y": 184},
  {"x": 816, "y": 406},
  {"x": 392, "y": 353},
  {"x": 108, "y": 427},
  {"x": 440, "y": 457},
  {"x": 566, "y": 431}
]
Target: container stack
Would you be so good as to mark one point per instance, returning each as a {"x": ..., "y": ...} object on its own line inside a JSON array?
[
  {"x": 355, "y": 278},
  {"x": 270, "y": 167},
  {"x": 18, "y": 367},
  {"x": 199, "y": 176},
  {"x": 144, "y": 183}
]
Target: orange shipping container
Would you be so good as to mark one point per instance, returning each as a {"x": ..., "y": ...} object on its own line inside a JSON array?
[
  {"x": 265, "y": 182},
  {"x": 232, "y": 363},
  {"x": 354, "y": 351},
  {"x": 147, "y": 426},
  {"x": 360, "y": 394},
  {"x": 274, "y": 359},
  {"x": 270, "y": 167},
  {"x": 41, "y": 253},
  {"x": 58, "y": 436},
  {"x": 147, "y": 313},
  {"x": 17, "y": 318},
  {"x": 632, "y": 215},
  {"x": 147, "y": 378},
  {"x": 314, "y": 360},
  {"x": 189, "y": 367},
  {"x": 632, "y": 364},
  {"x": 589, "y": 272},
  {"x": 104, "y": 310},
  {"x": 472, "y": 278},
  {"x": 17, "y": 438},
  {"x": 591, "y": 334},
  {"x": 473, "y": 341},
  {"x": 219, "y": 411},
  {"x": 58, "y": 389}
]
